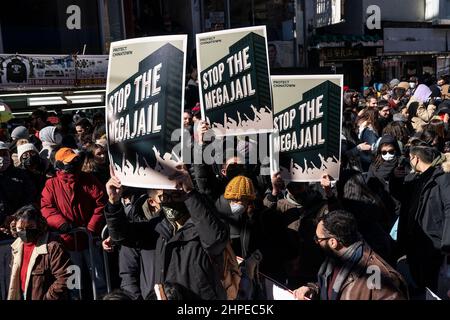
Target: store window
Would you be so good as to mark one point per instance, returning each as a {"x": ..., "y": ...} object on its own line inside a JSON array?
[
  {"x": 214, "y": 15},
  {"x": 277, "y": 15},
  {"x": 447, "y": 10}
]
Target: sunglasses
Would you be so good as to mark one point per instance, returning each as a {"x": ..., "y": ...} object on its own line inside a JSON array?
[
  {"x": 317, "y": 239},
  {"x": 392, "y": 152}
]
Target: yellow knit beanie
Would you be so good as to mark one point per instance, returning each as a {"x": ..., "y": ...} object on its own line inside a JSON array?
[{"x": 240, "y": 188}]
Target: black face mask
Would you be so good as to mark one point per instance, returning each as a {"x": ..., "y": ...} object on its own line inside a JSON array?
[
  {"x": 32, "y": 162},
  {"x": 175, "y": 211},
  {"x": 28, "y": 235}
]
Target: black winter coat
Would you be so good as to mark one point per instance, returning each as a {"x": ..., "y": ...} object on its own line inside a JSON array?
[
  {"x": 136, "y": 265},
  {"x": 16, "y": 190},
  {"x": 424, "y": 230},
  {"x": 181, "y": 257},
  {"x": 263, "y": 231}
]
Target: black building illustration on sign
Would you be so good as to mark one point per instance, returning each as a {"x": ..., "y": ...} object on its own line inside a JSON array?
[
  {"x": 314, "y": 160},
  {"x": 251, "y": 111},
  {"x": 146, "y": 151}
]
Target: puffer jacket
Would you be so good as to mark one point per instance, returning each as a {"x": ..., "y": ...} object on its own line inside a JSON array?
[{"x": 75, "y": 199}]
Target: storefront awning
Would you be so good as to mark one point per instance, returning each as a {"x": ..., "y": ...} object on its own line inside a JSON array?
[
  {"x": 332, "y": 40},
  {"x": 25, "y": 103}
]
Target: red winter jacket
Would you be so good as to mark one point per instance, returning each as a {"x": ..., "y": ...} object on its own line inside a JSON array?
[{"x": 75, "y": 199}]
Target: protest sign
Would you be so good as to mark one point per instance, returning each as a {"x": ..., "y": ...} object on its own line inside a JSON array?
[
  {"x": 306, "y": 141},
  {"x": 235, "y": 90},
  {"x": 145, "y": 94}
]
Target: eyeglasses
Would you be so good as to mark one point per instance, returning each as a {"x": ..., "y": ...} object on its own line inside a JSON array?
[
  {"x": 388, "y": 151},
  {"x": 317, "y": 239}
]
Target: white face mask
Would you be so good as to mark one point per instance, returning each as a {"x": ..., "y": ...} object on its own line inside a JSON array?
[
  {"x": 237, "y": 208},
  {"x": 388, "y": 157},
  {"x": 412, "y": 85}
]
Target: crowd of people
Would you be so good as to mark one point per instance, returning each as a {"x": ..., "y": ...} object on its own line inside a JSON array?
[{"x": 382, "y": 231}]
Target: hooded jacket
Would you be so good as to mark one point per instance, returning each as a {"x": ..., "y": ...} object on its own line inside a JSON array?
[
  {"x": 385, "y": 169},
  {"x": 75, "y": 199},
  {"x": 49, "y": 143}
]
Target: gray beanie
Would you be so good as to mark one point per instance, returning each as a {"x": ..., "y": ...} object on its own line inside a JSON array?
[
  {"x": 394, "y": 83},
  {"x": 20, "y": 133}
]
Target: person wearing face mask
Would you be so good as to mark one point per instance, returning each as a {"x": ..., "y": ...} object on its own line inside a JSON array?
[
  {"x": 299, "y": 206},
  {"x": 346, "y": 273},
  {"x": 186, "y": 234},
  {"x": 75, "y": 199},
  {"x": 18, "y": 135},
  {"x": 51, "y": 140},
  {"x": 385, "y": 165},
  {"x": 16, "y": 189},
  {"x": 424, "y": 225},
  {"x": 35, "y": 166},
  {"x": 39, "y": 261},
  {"x": 254, "y": 227}
]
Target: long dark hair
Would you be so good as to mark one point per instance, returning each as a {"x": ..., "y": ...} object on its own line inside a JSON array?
[
  {"x": 351, "y": 186},
  {"x": 398, "y": 130},
  {"x": 371, "y": 116}
]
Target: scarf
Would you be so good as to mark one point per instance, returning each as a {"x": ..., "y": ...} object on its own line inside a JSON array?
[
  {"x": 292, "y": 200},
  {"x": 350, "y": 259},
  {"x": 47, "y": 134}
]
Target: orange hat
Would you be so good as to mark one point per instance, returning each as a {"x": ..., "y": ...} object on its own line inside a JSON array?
[
  {"x": 65, "y": 155},
  {"x": 240, "y": 188}
]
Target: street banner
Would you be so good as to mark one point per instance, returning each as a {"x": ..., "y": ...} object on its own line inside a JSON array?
[
  {"x": 145, "y": 94},
  {"x": 21, "y": 72},
  {"x": 306, "y": 142},
  {"x": 234, "y": 82}
]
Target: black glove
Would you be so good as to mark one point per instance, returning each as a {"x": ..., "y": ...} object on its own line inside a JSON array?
[{"x": 65, "y": 227}]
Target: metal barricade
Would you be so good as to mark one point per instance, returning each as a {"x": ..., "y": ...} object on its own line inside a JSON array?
[
  {"x": 91, "y": 244},
  {"x": 106, "y": 260}
]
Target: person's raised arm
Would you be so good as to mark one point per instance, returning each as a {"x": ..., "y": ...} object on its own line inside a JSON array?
[
  {"x": 212, "y": 231},
  {"x": 137, "y": 234}
]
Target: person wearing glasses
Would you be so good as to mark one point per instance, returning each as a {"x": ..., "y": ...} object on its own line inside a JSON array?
[{"x": 352, "y": 270}]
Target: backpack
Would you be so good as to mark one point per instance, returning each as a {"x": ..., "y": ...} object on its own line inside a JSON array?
[{"x": 227, "y": 268}]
